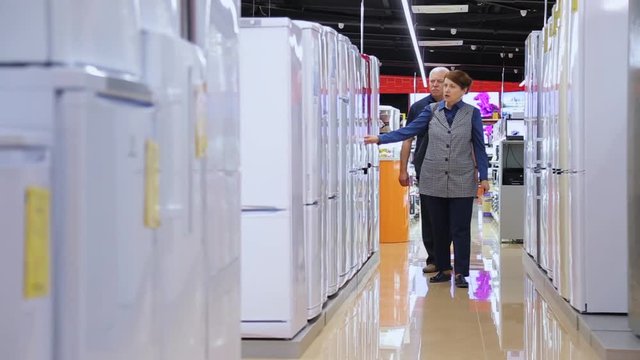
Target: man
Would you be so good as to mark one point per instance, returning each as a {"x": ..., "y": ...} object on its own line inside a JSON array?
[{"x": 436, "y": 79}]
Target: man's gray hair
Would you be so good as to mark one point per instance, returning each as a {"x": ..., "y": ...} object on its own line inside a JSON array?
[{"x": 438, "y": 70}]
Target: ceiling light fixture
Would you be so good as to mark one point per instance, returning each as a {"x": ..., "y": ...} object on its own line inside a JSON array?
[
  {"x": 440, "y": 64},
  {"x": 473, "y": 47},
  {"x": 440, "y": 42},
  {"x": 412, "y": 33},
  {"x": 454, "y": 31},
  {"x": 433, "y": 29},
  {"x": 523, "y": 13},
  {"x": 440, "y": 9}
]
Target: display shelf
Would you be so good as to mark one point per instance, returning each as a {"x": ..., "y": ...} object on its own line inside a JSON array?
[{"x": 508, "y": 194}]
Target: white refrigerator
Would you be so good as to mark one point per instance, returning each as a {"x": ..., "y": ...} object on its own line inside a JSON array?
[
  {"x": 313, "y": 177},
  {"x": 26, "y": 136},
  {"x": 598, "y": 137},
  {"x": 274, "y": 280},
  {"x": 101, "y": 34},
  {"x": 218, "y": 130},
  {"x": 104, "y": 207},
  {"x": 354, "y": 161},
  {"x": 331, "y": 103},
  {"x": 173, "y": 69},
  {"x": 365, "y": 67},
  {"x": 533, "y": 66},
  {"x": 373, "y": 128},
  {"x": 344, "y": 162}
]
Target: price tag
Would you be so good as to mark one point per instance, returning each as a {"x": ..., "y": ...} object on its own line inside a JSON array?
[
  {"x": 36, "y": 243},
  {"x": 201, "y": 139},
  {"x": 152, "y": 185}
]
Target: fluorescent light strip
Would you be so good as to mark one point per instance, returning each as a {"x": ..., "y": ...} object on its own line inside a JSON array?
[
  {"x": 440, "y": 9},
  {"x": 416, "y": 49},
  {"x": 440, "y": 64},
  {"x": 441, "y": 43}
]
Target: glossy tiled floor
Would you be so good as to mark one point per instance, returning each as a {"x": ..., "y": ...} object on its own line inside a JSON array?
[{"x": 399, "y": 316}]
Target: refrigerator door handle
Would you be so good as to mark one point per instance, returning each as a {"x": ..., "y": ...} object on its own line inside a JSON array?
[
  {"x": 315, "y": 203},
  {"x": 267, "y": 209}
]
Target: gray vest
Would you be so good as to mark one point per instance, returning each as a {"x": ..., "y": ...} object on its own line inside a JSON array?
[{"x": 449, "y": 169}]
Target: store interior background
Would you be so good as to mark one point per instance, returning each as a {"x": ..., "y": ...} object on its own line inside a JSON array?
[{"x": 186, "y": 179}]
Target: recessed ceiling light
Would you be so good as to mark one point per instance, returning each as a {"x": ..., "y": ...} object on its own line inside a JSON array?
[
  {"x": 433, "y": 29},
  {"x": 431, "y": 50},
  {"x": 454, "y": 31},
  {"x": 440, "y": 9},
  {"x": 440, "y": 42}
]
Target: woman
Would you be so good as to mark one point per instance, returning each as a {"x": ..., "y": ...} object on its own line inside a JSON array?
[{"x": 449, "y": 176}]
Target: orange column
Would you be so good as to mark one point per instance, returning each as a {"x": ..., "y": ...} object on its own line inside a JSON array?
[{"x": 394, "y": 204}]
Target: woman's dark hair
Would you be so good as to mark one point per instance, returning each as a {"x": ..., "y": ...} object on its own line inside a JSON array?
[{"x": 461, "y": 78}]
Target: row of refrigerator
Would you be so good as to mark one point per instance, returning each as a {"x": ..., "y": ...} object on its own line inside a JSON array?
[
  {"x": 309, "y": 183},
  {"x": 119, "y": 174},
  {"x": 576, "y": 151}
]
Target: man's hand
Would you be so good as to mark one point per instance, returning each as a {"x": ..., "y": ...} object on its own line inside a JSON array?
[
  {"x": 404, "y": 178},
  {"x": 371, "y": 139},
  {"x": 484, "y": 184}
]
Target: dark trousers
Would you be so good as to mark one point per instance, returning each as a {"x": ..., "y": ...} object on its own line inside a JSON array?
[
  {"x": 427, "y": 230},
  {"x": 451, "y": 220}
]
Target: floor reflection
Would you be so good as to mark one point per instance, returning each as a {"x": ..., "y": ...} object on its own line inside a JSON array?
[
  {"x": 398, "y": 315},
  {"x": 545, "y": 336}
]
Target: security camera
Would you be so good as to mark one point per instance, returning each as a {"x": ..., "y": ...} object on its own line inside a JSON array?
[
  {"x": 341, "y": 25},
  {"x": 454, "y": 31},
  {"x": 523, "y": 13}
]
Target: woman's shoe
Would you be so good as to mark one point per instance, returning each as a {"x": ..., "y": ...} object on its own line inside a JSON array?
[
  {"x": 461, "y": 282},
  {"x": 440, "y": 277},
  {"x": 430, "y": 268}
]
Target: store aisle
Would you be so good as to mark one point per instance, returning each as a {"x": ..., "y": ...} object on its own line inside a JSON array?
[{"x": 493, "y": 319}]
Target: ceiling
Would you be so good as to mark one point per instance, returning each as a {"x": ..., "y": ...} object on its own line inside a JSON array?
[{"x": 493, "y": 32}]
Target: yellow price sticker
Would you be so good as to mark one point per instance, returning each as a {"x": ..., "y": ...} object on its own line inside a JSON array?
[
  {"x": 546, "y": 39},
  {"x": 36, "y": 243},
  {"x": 574, "y": 5},
  {"x": 152, "y": 185},
  {"x": 201, "y": 138}
]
